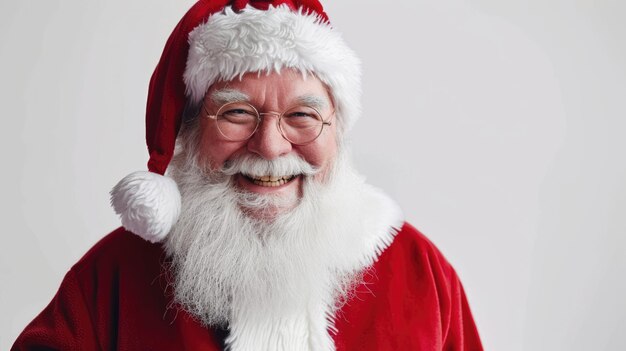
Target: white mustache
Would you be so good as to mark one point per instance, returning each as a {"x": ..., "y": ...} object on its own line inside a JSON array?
[{"x": 256, "y": 166}]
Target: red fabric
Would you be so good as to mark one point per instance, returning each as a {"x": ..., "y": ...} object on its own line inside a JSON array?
[
  {"x": 166, "y": 94},
  {"x": 114, "y": 299},
  {"x": 412, "y": 299}
]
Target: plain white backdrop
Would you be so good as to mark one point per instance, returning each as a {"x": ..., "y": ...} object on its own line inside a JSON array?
[{"x": 497, "y": 125}]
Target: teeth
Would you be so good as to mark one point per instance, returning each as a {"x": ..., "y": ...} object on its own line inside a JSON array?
[{"x": 270, "y": 181}]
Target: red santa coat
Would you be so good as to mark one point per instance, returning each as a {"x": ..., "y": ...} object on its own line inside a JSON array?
[{"x": 116, "y": 298}]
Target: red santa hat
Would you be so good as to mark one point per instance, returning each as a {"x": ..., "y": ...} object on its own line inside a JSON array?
[{"x": 220, "y": 40}]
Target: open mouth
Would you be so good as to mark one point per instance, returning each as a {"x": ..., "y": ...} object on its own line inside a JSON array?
[{"x": 269, "y": 181}]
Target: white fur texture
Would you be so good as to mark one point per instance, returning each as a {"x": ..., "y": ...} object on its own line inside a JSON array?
[
  {"x": 277, "y": 284},
  {"x": 230, "y": 44},
  {"x": 148, "y": 204}
]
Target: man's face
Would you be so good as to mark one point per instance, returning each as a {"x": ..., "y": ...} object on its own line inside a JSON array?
[{"x": 268, "y": 93}]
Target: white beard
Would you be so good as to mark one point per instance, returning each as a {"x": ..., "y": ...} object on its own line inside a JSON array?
[{"x": 276, "y": 284}]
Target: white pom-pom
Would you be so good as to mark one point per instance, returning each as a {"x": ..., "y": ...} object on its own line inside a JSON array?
[{"x": 148, "y": 204}]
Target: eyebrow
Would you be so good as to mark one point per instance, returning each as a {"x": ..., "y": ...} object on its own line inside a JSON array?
[
  {"x": 317, "y": 102},
  {"x": 225, "y": 96}
]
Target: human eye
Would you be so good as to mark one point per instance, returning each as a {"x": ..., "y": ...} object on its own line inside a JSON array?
[
  {"x": 302, "y": 114},
  {"x": 238, "y": 113}
]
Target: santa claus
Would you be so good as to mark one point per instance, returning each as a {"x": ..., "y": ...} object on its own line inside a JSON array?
[{"x": 252, "y": 230}]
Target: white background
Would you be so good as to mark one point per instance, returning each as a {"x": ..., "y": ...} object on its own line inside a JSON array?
[{"x": 497, "y": 125}]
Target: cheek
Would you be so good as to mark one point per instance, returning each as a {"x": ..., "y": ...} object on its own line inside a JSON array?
[
  {"x": 322, "y": 154},
  {"x": 213, "y": 149}
]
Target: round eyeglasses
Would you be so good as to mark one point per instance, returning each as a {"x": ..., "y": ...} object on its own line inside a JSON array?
[{"x": 238, "y": 121}]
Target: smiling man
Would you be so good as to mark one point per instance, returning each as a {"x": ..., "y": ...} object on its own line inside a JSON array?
[
  {"x": 260, "y": 235},
  {"x": 304, "y": 127}
]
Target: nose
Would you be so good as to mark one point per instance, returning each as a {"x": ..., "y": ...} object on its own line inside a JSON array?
[{"x": 267, "y": 141}]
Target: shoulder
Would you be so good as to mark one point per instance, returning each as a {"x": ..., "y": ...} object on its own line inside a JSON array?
[
  {"x": 410, "y": 299},
  {"x": 408, "y": 238},
  {"x": 116, "y": 273},
  {"x": 120, "y": 252},
  {"x": 412, "y": 250},
  {"x": 408, "y": 234}
]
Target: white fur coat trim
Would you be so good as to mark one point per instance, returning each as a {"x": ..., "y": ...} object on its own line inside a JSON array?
[{"x": 230, "y": 44}]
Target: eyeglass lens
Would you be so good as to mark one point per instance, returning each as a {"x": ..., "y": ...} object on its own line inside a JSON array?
[{"x": 237, "y": 121}]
